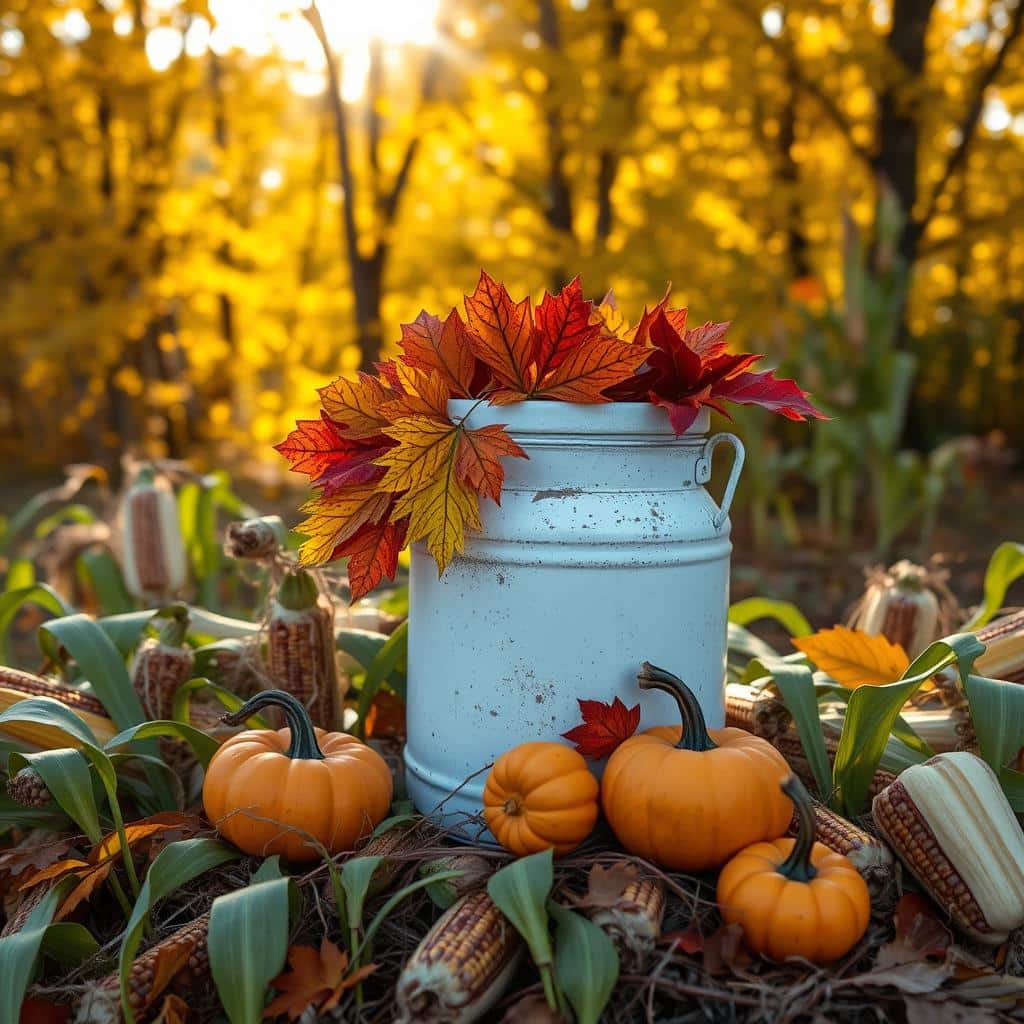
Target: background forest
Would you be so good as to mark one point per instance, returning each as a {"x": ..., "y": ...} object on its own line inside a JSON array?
[{"x": 207, "y": 209}]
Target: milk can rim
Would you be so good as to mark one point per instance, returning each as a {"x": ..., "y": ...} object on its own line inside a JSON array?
[{"x": 566, "y": 418}]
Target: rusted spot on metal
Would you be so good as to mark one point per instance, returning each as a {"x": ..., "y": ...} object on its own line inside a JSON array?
[{"x": 562, "y": 492}]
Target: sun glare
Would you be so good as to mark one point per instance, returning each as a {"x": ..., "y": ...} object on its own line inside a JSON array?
[{"x": 260, "y": 27}]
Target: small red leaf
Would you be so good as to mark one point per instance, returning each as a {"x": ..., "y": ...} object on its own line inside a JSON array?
[
  {"x": 766, "y": 390},
  {"x": 604, "y": 727}
]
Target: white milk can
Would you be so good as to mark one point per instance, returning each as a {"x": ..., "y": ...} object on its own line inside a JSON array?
[{"x": 606, "y": 551}]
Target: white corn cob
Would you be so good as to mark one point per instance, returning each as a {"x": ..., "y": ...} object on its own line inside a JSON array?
[
  {"x": 460, "y": 969},
  {"x": 900, "y": 605},
  {"x": 950, "y": 823},
  {"x": 153, "y": 552}
]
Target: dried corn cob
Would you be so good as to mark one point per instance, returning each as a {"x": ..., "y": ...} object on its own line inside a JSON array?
[
  {"x": 864, "y": 850},
  {"x": 788, "y": 744},
  {"x": 757, "y": 711},
  {"x": 20, "y": 917},
  {"x": 1004, "y": 649},
  {"x": 16, "y": 686},
  {"x": 634, "y": 921},
  {"x": 950, "y": 823},
  {"x": 256, "y": 539},
  {"x": 907, "y": 604},
  {"x": 28, "y": 788},
  {"x": 392, "y": 846},
  {"x": 162, "y": 665},
  {"x": 181, "y": 958},
  {"x": 234, "y": 664},
  {"x": 476, "y": 870},
  {"x": 462, "y": 965},
  {"x": 300, "y": 646},
  {"x": 153, "y": 552}
]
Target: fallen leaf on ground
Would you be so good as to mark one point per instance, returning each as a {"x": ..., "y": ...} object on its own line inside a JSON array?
[
  {"x": 173, "y": 1011},
  {"x": 531, "y": 1010},
  {"x": 724, "y": 952},
  {"x": 316, "y": 979},
  {"x": 853, "y": 658},
  {"x": 689, "y": 940},
  {"x": 920, "y": 934},
  {"x": 605, "y": 886},
  {"x": 604, "y": 727}
]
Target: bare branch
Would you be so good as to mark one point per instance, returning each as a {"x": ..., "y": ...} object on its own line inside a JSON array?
[{"x": 969, "y": 125}]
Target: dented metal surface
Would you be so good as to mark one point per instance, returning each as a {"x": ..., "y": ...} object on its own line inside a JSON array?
[{"x": 606, "y": 551}]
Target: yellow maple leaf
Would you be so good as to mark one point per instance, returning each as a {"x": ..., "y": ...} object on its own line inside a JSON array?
[
  {"x": 854, "y": 658},
  {"x": 439, "y": 514},
  {"x": 332, "y": 520},
  {"x": 424, "y": 445}
]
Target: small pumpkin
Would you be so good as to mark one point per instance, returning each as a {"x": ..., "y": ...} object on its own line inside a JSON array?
[
  {"x": 795, "y": 897},
  {"x": 540, "y": 796},
  {"x": 274, "y": 790},
  {"x": 687, "y": 798}
]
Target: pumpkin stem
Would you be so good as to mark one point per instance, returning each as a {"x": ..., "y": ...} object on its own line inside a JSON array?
[
  {"x": 695, "y": 731},
  {"x": 304, "y": 746},
  {"x": 797, "y": 867}
]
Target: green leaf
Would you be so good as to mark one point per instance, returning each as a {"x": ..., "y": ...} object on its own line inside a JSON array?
[
  {"x": 18, "y": 953},
  {"x": 586, "y": 963},
  {"x": 795, "y": 684},
  {"x": 230, "y": 701},
  {"x": 21, "y": 575},
  {"x": 100, "y": 661},
  {"x": 383, "y": 668},
  {"x": 67, "y": 777},
  {"x": 997, "y": 711},
  {"x": 520, "y": 890},
  {"x": 362, "y": 645},
  {"x": 787, "y": 614},
  {"x": 1004, "y": 567},
  {"x": 175, "y": 865},
  {"x": 73, "y": 513},
  {"x": 51, "y": 712},
  {"x": 356, "y": 876},
  {"x": 1012, "y": 782},
  {"x": 389, "y": 905},
  {"x": 100, "y": 570},
  {"x": 203, "y": 745},
  {"x": 14, "y": 600},
  {"x": 103, "y": 665},
  {"x": 742, "y": 648},
  {"x": 872, "y": 711},
  {"x": 126, "y": 629},
  {"x": 248, "y": 942},
  {"x": 69, "y": 943}
]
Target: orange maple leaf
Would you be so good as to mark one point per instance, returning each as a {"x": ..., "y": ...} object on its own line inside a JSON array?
[
  {"x": 442, "y": 348},
  {"x": 854, "y": 658},
  {"x": 355, "y": 405},
  {"x": 316, "y": 979},
  {"x": 333, "y": 519},
  {"x": 372, "y": 555},
  {"x": 420, "y": 394},
  {"x": 587, "y": 371},
  {"x": 501, "y": 334},
  {"x": 478, "y": 459}
]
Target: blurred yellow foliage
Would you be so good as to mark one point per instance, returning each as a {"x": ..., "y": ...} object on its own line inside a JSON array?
[{"x": 189, "y": 251}]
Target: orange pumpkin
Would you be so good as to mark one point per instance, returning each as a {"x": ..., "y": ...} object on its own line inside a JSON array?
[
  {"x": 273, "y": 791},
  {"x": 687, "y": 798},
  {"x": 795, "y": 897},
  {"x": 540, "y": 796}
]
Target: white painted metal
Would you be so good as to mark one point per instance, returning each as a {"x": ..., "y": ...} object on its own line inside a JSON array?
[{"x": 606, "y": 551}]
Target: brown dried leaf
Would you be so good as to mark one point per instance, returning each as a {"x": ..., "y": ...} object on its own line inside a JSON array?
[
  {"x": 944, "y": 1011},
  {"x": 920, "y": 934},
  {"x": 724, "y": 952},
  {"x": 316, "y": 979},
  {"x": 531, "y": 1010},
  {"x": 605, "y": 886}
]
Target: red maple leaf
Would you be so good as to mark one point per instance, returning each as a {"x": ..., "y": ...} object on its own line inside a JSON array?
[
  {"x": 686, "y": 370},
  {"x": 372, "y": 555},
  {"x": 443, "y": 347},
  {"x": 562, "y": 323},
  {"x": 604, "y": 727}
]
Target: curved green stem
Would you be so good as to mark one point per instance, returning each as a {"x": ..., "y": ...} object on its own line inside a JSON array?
[
  {"x": 304, "y": 745},
  {"x": 797, "y": 867},
  {"x": 176, "y": 628},
  {"x": 695, "y": 731}
]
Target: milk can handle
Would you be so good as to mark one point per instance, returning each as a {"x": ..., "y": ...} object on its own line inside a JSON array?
[{"x": 703, "y": 471}]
